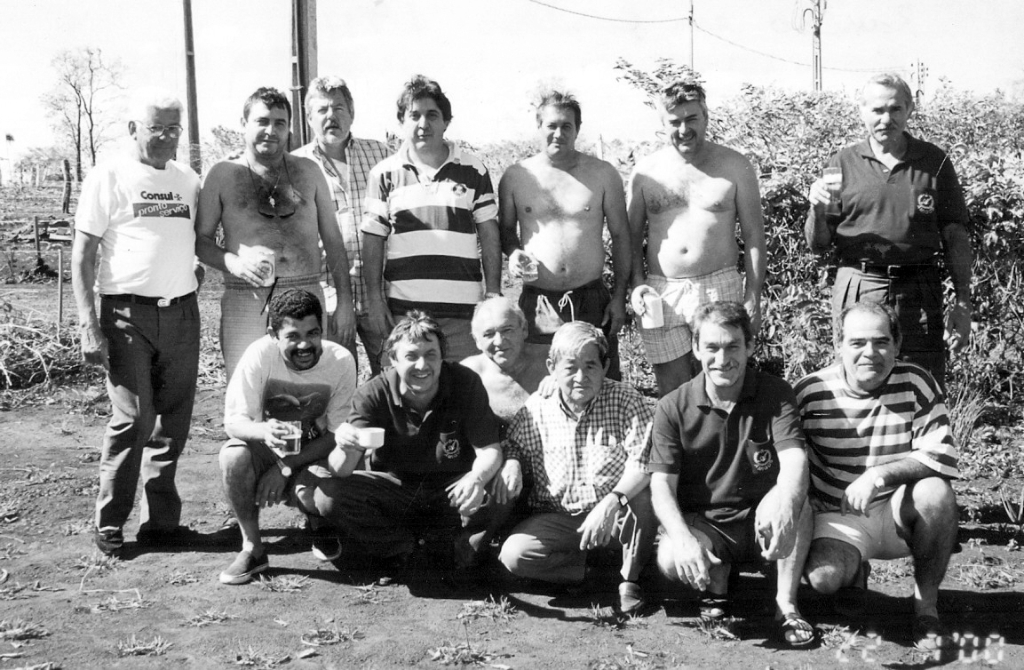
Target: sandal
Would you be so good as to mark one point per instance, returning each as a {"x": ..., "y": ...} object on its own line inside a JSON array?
[
  {"x": 930, "y": 634},
  {"x": 713, "y": 607},
  {"x": 795, "y": 630}
]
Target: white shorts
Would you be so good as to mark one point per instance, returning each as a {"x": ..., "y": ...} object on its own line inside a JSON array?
[{"x": 874, "y": 535}]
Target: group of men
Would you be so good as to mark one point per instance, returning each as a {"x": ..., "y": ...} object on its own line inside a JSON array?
[{"x": 483, "y": 401}]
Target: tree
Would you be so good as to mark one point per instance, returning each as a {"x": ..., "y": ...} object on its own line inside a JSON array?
[{"x": 82, "y": 101}]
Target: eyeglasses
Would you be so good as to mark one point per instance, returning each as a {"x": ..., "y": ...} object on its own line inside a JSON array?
[
  {"x": 271, "y": 203},
  {"x": 172, "y": 130}
]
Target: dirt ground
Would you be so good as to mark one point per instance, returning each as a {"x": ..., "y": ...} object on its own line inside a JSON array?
[{"x": 62, "y": 605}]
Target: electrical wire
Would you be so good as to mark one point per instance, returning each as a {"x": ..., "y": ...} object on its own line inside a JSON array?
[{"x": 709, "y": 34}]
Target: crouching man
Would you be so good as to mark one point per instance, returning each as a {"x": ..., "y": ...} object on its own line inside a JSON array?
[
  {"x": 729, "y": 473},
  {"x": 430, "y": 478},
  {"x": 584, "y": 451},
  {"x": 882, "y": 455},
  {"x": 288, "y": 395}
]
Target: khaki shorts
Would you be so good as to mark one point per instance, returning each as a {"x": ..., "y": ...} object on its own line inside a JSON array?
[
  {"x": 874, "y": 535},
  {"x": 682, "y": 298}
]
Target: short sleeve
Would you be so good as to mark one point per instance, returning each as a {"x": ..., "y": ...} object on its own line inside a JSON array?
[
  {"x": 376, "y": 210},
  {"x": 243, "y": 400},
  {"x": 666, "y": 439},
  {"x": 94, "y": 202},
  {"x": 341, "y": 397}
]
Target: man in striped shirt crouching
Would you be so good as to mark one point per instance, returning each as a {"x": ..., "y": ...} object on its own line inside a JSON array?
[{"x": 881, "y": 459}]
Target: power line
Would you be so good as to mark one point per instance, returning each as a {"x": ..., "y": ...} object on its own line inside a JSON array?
[
  {"x": 606, "y": 18},
  {"x": 706, "y": 32}
]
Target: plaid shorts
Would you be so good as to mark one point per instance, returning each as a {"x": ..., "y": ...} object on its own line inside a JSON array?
[{"x": 682, "y": 298}]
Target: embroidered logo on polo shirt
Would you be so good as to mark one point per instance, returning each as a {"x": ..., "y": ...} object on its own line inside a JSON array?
[
  {"x": 762, "y": 460},
  {"x": 926, "y": 203},
  {"x": 448, "y": 446},
  {"x": 459, "y": 189}
]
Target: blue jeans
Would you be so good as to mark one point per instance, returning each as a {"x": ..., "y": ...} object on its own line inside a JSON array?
[{"x": 154, "y": 360}]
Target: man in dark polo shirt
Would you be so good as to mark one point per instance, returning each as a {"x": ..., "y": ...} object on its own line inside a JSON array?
[
  {"x": 900, "y": 207},
  {"x": 430, "y": 477},
  {"x": 729, "y": 473}
]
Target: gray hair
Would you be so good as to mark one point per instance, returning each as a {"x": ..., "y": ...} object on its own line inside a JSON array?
[
  {"x": 148, "y": 98},
  {"x": 324, "y": 87},
  {"x": 571, "y": 338},
  {"x": 502, "y": 303},
  {"x": 893, "y": 81}
]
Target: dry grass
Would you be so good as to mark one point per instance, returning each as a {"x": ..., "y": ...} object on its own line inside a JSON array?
[
  {"x": 136, "y": 647},
  {"x": 31, "y": 353},
  {"x": 19, "y": 629},
  {"x": 283, "y": 583},
  {"x": 207, "y": 618},
  {"x": 335, "y": 634},
  {"x": 495, "y": 610}
]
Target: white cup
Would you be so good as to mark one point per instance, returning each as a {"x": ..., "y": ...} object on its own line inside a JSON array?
[
  {"x": 530, "y": 269},
  {"x": 653, "y": 316},
  {"x": 371, "y": 438}
]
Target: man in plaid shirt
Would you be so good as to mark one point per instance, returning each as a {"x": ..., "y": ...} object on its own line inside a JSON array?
[
  {"x": 585, "y": 450},
  {"x": 345, "y": 161}
]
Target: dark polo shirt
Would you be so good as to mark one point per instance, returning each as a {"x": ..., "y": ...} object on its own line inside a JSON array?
[
  {"x": 726, "y": 462},
  {"x": 439, "y": 442},
  {"x": 896, "y": 217}
]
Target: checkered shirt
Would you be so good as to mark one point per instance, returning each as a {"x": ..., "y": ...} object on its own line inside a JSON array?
[
  {"x": 347, "y": 195},
  {"x": 575, "y": 462}
]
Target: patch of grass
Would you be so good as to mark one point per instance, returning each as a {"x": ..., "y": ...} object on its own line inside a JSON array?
[
  {"x": 988, "y": 572},
  {"x": 719, "y": 630},
  {"x": 847, "y": 643},
  {"x": 77, "y": 528},
  {"x": 495, "y": 610},
  {"x": 462, "y": 654},
  {"x": 181, "y": 578},
  {"x": 19, "y": 629},
  {"x": 30, "y": 351},
  {"x": 633, "y": 660},
  {"x": 283, "y": 583},
  {"x": 97, "y": 562},
  {"x": 115, "y": 604},
  {"x": 323, "y": 637},
  {"x": 136, "y": 647},
  {"x": 895, "y": 570},
  {"x": 369, "y": 594},
  {"x": 207, "y": 618},
  {"x": 255, "y": 658}
]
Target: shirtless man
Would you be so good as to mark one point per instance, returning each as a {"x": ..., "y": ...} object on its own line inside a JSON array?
[
  {"x": 269, "y": 203},
  {"x": 690, "y": 196},
  {"x": 508, "y": 373},
  {"x": 552, "y": 208}
]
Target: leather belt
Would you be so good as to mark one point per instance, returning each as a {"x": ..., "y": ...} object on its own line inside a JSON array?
[
  {"x": 147, "y": 300},
  {"x": 890, "y": 271}
]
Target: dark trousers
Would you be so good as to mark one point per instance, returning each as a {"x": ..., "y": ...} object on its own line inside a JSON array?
[{"x": 154, "y": 360}]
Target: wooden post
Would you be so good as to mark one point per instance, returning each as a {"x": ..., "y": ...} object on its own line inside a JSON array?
[
  {"x": 35, "y": 232},
  {"x": 304, "y": 65},
  {"x": 195, "y": 159},
  {"x": 65, "y": 204},
  {"x": 60, "y": 289}
]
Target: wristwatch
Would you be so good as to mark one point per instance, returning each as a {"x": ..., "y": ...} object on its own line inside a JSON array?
[
  {"x": 622, "y": 498},
  {"x": 285, "y": 470}
]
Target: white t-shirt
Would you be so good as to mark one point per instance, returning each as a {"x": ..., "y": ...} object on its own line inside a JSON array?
[
  {"x": 146, "y": 221},
  {"x": 263, "y": 388}
]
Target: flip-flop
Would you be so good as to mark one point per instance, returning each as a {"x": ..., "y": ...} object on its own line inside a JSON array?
[
  {"x": 791, "y": 626},
  {"x": 713, "y": 607},
  {"x": 930, "y": 634}
]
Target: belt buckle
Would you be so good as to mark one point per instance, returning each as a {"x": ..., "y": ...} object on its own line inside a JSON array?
[{"x": 163, "y": 302}]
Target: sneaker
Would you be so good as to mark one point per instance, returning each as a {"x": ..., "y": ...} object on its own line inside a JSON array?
[
  {"x": 110, "y": 542},
  {"x": 631, "y": 598},
  {"x": 243, "y": 568},
  {"x": 326, "y": 547}
]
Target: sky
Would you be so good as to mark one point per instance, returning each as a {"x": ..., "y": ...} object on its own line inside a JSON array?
[{"x": 491, "y": 56}]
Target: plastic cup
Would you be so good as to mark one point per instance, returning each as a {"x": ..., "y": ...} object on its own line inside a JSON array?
[
  {"x": 530, "y": 268},
  {"x": 293, "y": 441},
  {"x": 833, "y": 178},
  {"x": 267, "y": 267},
  {"x": 653, "y": 316},
  {"x": 371, "y": 438}
]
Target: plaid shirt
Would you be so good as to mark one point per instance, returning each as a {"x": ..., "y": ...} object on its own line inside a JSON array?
[
  {"x": 348, "y": 195},
  {"x": 575, "y": 462}
]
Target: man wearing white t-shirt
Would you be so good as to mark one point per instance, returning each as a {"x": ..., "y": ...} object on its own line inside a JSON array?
[
  {"x": 290, "y": 392},
  {"x": 137, "y": 213}
]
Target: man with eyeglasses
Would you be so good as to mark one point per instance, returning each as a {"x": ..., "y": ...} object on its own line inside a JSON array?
[
  {"x": 345, "y": 161},
  {"x": 275, "y": 210},
  {"x": 137, "y": 214}
]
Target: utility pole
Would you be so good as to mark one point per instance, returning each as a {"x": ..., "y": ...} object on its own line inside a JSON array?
[
  {"x": 194, "y": 156},
  {"x": 818, "y": 17},
  {"x": 691, "y": 34},
  {"x": 918, "y": 73},
  {"x": 304, "y": 62}
]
